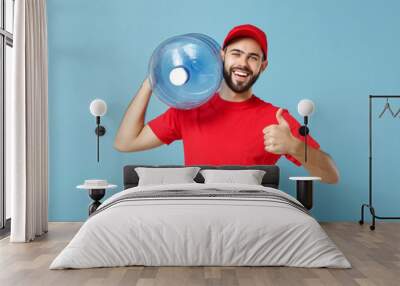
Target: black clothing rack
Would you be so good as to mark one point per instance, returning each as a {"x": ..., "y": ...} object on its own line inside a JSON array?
[{"x": 369, "y": 205}]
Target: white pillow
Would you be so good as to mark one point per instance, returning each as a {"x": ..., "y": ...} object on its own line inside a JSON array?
[
  {"x": 162, "y": 176},
  {"x": 249, "y": 177}
]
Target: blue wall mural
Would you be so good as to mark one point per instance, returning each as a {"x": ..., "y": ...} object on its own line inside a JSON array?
[{"x": 333, "y": 52}]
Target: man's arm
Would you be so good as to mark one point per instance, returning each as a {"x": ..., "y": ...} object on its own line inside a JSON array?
[
  {"x": 278, "y": 139},
  {"x": 132, "y": 134},
  {"x": 318, "y": 164}
]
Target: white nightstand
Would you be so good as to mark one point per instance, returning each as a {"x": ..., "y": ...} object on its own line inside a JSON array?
[
  {"x": 97, "y": 190},
  {"x": 304, "y": 189}
]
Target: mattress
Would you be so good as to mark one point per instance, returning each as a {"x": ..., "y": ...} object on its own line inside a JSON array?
[{"x": 201, "y": 225}]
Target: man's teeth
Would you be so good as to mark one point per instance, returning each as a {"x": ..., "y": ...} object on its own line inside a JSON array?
[{"x": 240, "y": 73}]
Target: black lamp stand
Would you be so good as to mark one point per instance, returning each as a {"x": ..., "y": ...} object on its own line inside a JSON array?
[
  {"x": 100, "y": 131},
  {"x": 303, "y": 130}
]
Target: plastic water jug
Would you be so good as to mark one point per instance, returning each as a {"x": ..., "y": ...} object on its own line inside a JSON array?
[{"x": 186, "y": 70}]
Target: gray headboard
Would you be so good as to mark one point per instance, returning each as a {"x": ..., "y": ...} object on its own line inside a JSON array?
[{"x": 271, "y": 177}]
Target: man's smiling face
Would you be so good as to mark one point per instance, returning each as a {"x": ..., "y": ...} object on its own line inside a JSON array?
[{"x": 243, "y": 63}]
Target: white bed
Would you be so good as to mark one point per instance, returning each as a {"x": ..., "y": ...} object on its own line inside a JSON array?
[{"x": 205, "y": 230}]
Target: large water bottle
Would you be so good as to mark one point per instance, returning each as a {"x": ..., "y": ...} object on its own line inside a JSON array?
[{"x": 186, "y": 70}]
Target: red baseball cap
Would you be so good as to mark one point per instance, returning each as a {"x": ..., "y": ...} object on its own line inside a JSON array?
[{"x": 247, "y": 31}]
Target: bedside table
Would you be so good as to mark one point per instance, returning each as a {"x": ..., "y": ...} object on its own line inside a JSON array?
[
  {"x": 304, "y": 190},
  {"x": 97, "y": 190}
]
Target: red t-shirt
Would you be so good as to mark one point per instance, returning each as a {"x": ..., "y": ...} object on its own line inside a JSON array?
[{"x": 222, "y": 132}]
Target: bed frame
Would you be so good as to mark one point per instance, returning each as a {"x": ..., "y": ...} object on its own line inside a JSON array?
[{"x": 270, "y": 179}]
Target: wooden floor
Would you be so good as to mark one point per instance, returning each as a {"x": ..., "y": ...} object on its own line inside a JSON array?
[{"x": 374, "y": 255}]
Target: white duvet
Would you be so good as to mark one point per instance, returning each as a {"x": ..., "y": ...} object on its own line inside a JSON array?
[{"x": 200, "y": 231}]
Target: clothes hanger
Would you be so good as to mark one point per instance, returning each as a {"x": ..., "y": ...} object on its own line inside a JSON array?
[
  {"x": 387, "y": 106},
  {"x": 398, "y": 111}
]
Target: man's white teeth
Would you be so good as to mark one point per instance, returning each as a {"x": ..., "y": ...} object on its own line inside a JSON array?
[{"x": 240, "y": 73}]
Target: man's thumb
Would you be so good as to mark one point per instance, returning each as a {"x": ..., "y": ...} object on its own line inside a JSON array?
[{"x": 280, "y": 118}]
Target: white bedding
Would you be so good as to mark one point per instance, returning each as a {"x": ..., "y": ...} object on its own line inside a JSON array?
[{"x": 200, "y": 231}]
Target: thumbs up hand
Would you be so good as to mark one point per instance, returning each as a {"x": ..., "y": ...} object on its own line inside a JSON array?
[
  {"x": 277, "y": 137},
  {"x": 281, "y": 120}
]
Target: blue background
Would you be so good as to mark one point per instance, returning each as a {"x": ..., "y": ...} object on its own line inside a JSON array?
[{"x": 333, "y": 52}]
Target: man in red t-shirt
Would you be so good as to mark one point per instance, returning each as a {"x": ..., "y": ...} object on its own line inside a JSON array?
[{"x": 234, "y": 127}]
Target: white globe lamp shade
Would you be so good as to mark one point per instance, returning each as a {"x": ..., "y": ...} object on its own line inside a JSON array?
[
  {"x": 98, "y": 107},
  {"x": 305, "y": 107}
]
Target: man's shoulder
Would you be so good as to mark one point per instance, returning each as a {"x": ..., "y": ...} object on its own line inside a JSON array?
[
  {"x": 264, "y": 104},
  {"x": 271, "y": 108}
]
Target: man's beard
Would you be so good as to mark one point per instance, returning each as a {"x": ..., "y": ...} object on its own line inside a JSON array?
[{"x": 241, "y": 86}]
